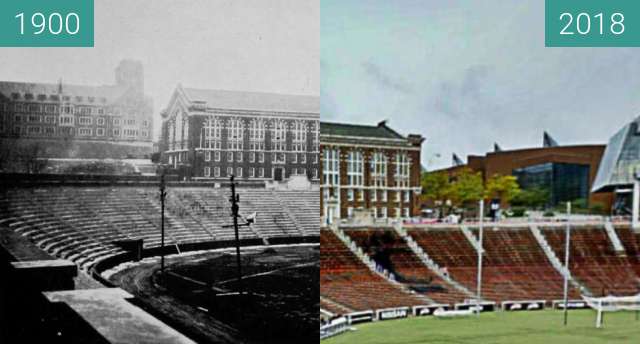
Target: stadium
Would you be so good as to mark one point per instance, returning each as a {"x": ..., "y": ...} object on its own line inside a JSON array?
[
  {"x": 87, "y": 261},
  {"x": 556, "y": 275}
]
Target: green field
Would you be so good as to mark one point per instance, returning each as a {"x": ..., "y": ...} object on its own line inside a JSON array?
[{"x": 499, "y": 327}]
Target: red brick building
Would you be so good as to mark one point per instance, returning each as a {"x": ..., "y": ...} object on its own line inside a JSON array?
[{"x": 369, "y": 167}]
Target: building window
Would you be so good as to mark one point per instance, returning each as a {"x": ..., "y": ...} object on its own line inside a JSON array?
[
  {"x": 303, "y": 158},
  {"x": 100, "y": 131},
  {"x": 384, "y": 195},
  {"x": 256, "y": 134},
  {"x": 374, "y": 195},
  {"x": 235, "y": 134},
  {"x": 350, "y": 195},
  {"x": 383, "y": 212},
  {"x": 100, "y": 121},
  {"x": 216, "y": 155},
  {"x": 229, "y": 171},
  {"x": 261, "y": 172},
  {"x": 398, "y": 214},
  {"x": 299, "y": 139},
  {"x": 279, "y": 135},
  {"x": 349, "y": 212},
  {"x": 398, "y": 197},
  {"x": 261, "y": 157},
  {"x": 355, "y": 169},
  {"x": 216, "y": 171},
  {"x": 239, "y": 172},
  {"x": 294, "y": 158},
  {"x": 252, "y": 172},
  {"x": 407, "y": 196},
  {"x": 252, "y": 157},
  {"x": 379, "y": 169},
  {"x": 239, "y": 156},
  {"x": 406, "y": 212},
  {"x": 229, "y": 156},
  {"x": 49, "y": 131},
  {"x": 207, "y": 171},
  {"x": 331, "y": 167},
  {"x": 316, "y": 138},
  {"x": 116, "y": 132},
  {"x": 402, "y": 170},
  {"x": 360, "y": 195},
  {"x": 85, "y": 120},
  {"x": 207, "y": 156},
  {"x": 212, "y": 133},
  {"x": 84, "y": 132},
  {"x": 279, "y": 158},
  {"x": 116, "y": 121}
]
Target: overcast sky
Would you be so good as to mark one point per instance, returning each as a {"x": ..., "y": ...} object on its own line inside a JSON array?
[
  {"x": 466, "y": 74},
  {"x": 268, "y": 46}
]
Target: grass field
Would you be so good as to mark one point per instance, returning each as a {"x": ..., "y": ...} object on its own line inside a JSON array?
[{"x": 499, "y": 327}]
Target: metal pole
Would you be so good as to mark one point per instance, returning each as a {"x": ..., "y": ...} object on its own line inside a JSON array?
[
  {"x": 163, "y": 194},
  {"x": 480, "y": 250},
  {"x": 234, "y": 211},
  {"x": 566, "y": 264}
]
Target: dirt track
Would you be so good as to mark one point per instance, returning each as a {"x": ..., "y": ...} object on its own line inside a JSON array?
[{"x": 283, "y": 308}]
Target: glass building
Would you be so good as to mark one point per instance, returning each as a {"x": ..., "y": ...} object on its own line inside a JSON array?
[{"x": 564, "y": 182}]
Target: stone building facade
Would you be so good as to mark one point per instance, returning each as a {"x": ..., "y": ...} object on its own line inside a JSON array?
[
  {"x": 213, "y": 134},
  {"x": 369, "y": 168},
  {"x": 79, "y": 121}
]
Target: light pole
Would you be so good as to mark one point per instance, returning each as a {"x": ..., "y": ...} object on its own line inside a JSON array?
[
  {"x": 235, "y": 214},
  {"x": 480, "y": 249},
  {"x": 566, "y": 263},
  {"x": 163, "y": 195}
]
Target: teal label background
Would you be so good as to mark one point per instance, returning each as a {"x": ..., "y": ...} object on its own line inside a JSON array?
[
  {"x": 553, "y": 25},
  {"x": 10, "y": 25}
]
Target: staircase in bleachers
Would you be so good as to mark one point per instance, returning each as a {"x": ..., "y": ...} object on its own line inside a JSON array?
[
  {"x": 514, "y": 266},
  {"x": 594, "y": 261},
  {"x": 407, "y": 267},
  {"x": 345, "y": 280}
]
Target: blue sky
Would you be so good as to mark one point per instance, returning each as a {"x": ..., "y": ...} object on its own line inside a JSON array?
[{"x": 466, "y": 74}]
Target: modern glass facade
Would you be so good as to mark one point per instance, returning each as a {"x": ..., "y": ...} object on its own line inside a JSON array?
[{"x": 565, "y": 182}]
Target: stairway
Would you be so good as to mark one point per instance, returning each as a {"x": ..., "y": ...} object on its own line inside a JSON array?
[
  {"x": 426, "y": 260},
  {"x": 366, "y": 260},
  {"x": 553, "y": 259},
  {"x": 613, "y": 237}
]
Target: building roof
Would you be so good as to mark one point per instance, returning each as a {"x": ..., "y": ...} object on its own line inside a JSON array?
[
  {"x": 621, "y": 159},
  {"x": 254, "y": 101},
  {"x": 380, "y": 131},
  {"x": 109, "y": 93}
]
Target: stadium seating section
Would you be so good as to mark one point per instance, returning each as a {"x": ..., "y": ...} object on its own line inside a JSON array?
[
  {"x": 82, "y": 223},
  {"x": 405, "y": 265},
  {"x": 346, "y": 281},
  {"x": 595, "y": 263}
]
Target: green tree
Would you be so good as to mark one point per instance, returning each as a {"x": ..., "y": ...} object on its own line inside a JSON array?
[
  {"x": 534, "y": 198},
  {"x": 436, "y": 187},
  {"x": 501, "y": 187},
  {"x": 467, "y": 188}
]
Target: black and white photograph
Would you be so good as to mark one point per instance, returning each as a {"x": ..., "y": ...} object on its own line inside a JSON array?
[{"x": 162, "y": 186}]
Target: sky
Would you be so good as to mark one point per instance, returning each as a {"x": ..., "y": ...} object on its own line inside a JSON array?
[
  {"x": 249, "y": 45},
  {"x": 466, "y": 74}
]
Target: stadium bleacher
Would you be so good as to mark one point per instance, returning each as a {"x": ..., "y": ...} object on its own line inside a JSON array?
[
  {"x": 83, "y": 224},
  {"x": 405, "y": 264},
  {"x": 595, "y": 263},
  {"x": 514, "y": 265},
  {"x": 347, "y": 282}
]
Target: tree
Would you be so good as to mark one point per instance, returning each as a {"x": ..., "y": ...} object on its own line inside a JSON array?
[
  {"x": 436, "y": 187},
  {"x": 533, "y": 198},
  {"x": 504, "y": 188},
  {"x": 467, "y": 188}
]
